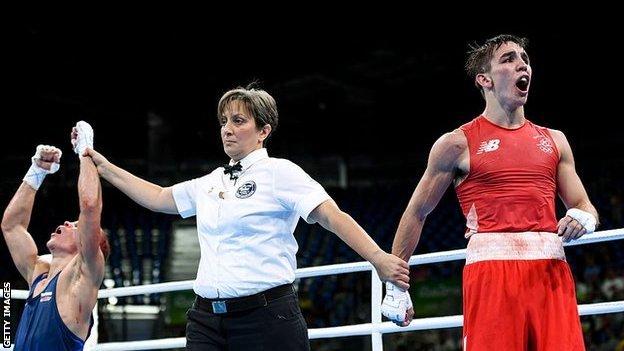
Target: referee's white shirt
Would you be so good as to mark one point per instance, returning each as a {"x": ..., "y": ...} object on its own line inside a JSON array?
[{"x": 246, "y": 226}]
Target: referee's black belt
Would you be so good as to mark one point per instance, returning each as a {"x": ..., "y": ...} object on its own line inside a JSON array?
[{"x": 237, "y": 304}]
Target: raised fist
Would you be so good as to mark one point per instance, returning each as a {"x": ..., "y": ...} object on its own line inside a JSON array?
[
  {"x": 82, "y": 137},
  {"x": 46, "y": 160}
]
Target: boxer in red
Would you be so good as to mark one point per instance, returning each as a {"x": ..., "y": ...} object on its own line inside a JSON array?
[{"x": 518, "y": 291}]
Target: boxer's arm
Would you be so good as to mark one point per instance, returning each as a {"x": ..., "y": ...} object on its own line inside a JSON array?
[
  {"x": 16, "y": 216},
  {"x": 439, "y": 174},
  {"x": 15, "y": 230},
  {"x": 89, "y": 227},
  {"x": 444, "y": 160},
  {"x": 572, "y": 192}
]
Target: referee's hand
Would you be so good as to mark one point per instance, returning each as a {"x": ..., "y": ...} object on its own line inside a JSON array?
[{"x": 392, "y": 269}]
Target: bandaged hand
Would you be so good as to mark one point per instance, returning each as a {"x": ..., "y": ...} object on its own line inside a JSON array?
[
  {"x": 82, "y": 137},
  {"x": 46, "y": 160},
  {"x": 575, "y": 224},
  {"x": 396, "y": 304}
]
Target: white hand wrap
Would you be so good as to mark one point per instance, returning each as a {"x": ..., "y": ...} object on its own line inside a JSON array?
[
  {"x": 396, "y": 303},
  {"x": 84, "y": 138},
  {"x": 586, "y": 219},
  {"x": 35, "y": 175}
]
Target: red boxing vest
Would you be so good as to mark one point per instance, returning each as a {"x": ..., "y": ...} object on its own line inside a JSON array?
[{"x": 511, "y": 186}]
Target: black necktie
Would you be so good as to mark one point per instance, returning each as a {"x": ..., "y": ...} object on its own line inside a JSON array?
[{"x": 231, "y": 170}]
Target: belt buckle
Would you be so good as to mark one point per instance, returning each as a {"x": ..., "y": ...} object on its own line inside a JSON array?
[{"x": 219, "y": 307}]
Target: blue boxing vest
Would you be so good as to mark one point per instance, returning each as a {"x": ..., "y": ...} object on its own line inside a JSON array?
[{"x": 41, "y": 327}]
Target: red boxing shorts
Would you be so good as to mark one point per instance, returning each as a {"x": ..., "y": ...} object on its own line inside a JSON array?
[{"x": 518, "y": 294}]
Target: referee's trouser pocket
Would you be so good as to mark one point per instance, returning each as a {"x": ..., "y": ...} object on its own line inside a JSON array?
[
  {"x": 203, "y": 331},
  {"x": 286, "y": 328}
]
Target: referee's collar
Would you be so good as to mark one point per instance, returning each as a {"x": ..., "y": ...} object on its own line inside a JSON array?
[{"x": 252, "y": 158}]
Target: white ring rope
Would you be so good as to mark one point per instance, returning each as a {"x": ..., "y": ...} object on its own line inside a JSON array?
[
  {"x": 434, "y": 257},
  {"x": 349, "y": 330},
  {"x": 355, "y": 330}
]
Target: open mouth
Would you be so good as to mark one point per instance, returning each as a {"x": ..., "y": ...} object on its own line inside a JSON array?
[
  {"x": 58, "y": 230},
  {"x": 523, "y": 84}
]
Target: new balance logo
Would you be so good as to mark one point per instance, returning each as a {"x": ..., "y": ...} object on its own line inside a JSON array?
[{"x": 487, "y": 146}]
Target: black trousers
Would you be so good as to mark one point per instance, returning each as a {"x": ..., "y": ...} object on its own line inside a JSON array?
[{"x": 277, "y": 326}]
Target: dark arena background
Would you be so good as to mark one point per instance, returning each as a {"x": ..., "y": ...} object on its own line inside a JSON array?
[{"x": 360, "y": 106}]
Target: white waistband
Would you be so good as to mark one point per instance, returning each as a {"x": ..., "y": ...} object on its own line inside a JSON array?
[{"x": 514, "y": 246}]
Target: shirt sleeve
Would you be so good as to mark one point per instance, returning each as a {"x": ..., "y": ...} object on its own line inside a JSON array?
[
  {"x": 184, "y": 195},
  {"x": 296, "y": 190}
]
